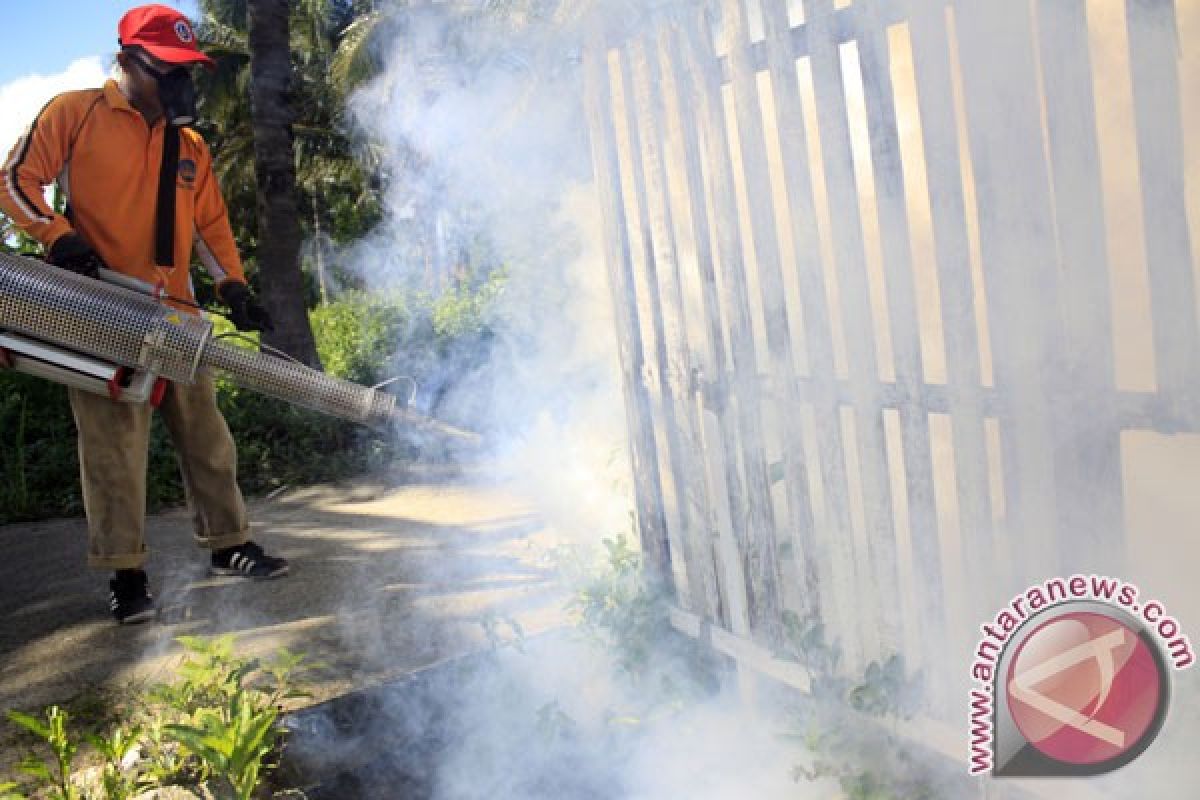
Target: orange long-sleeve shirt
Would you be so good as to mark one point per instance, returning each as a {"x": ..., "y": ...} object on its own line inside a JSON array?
[{"x": 107, "y": 159}]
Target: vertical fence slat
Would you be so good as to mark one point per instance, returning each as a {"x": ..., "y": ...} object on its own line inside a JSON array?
[
  {"x": 755, "y": 532},
  {"x": 1020, "y": 259},
  {"x": 770, "y": 273},
  {"x": 1089, "y": 468},
  {"x": 902, "y": 307},
  {"x": 850, "y": 257},
  {"x": 714, "y": 386},
  {"x": 832, "y": 549},
  {"x": 677, "y": 372},
  {"x": 657, "y": 257},
  {"x": 1153, "y": 57},
  {"x": 947, "y": 207},
  {"x": 647, "y": 482}
]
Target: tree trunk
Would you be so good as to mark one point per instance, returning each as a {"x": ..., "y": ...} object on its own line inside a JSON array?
[{"x": 281, "y": 281}]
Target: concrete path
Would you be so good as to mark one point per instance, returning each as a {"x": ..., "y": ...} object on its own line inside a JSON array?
[{"x": 385, "y": 578}]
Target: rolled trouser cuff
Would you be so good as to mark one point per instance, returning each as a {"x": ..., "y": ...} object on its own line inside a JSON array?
[
  {"x": 223, "y": 541},
  {"x": 114, "y": 563}
]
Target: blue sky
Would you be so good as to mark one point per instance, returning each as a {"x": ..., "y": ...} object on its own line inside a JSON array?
[
  {"x": 55, "y": 45},
  {"x": 45, "y": 36}
]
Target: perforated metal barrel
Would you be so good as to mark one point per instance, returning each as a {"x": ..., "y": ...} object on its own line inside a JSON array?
[
  {"x": 300, "y": 385},
  {"x": 125, "y": 327},
  {"x": 99, "y": 319}
]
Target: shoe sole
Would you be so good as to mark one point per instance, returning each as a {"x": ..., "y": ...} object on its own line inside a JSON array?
[{"x": 229, "y": 571}]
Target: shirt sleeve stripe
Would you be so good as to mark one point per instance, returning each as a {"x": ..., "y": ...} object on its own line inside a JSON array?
[
  {"x": 13, "y": 185},
  {"x": 209, "y": 260}
]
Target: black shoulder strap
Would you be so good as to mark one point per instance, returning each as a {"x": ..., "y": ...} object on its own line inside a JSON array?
[{"x": 164, "y": 233}]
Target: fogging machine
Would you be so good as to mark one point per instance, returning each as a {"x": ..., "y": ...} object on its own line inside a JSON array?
[{"x": 114, "y": 337}]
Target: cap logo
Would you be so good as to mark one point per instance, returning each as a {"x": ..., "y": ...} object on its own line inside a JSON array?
[{"x": 184, "y": 32}]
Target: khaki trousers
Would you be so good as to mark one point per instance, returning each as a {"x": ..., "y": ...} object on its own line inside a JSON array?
[{"x": 113, "y": 445}]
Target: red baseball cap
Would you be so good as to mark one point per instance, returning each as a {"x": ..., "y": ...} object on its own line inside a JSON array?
[{"x": 163, "y": 32}]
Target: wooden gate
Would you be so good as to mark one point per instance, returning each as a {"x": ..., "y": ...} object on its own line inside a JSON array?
[{"x": 872, "y": 304}]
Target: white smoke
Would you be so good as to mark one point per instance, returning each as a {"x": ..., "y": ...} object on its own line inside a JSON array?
[
  {"x": 492, "y": 110},
  {"x": 483, "y": 122}
]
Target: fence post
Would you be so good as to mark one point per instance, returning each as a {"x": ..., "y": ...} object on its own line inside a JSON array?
[
  {"x": 1020, "y": 262},
  {"x": 984, "y": 565},
  {"x": 833, "y": 548},
  {"x": 896, "y": 248},
  {"x": 850, "y": 257},
  {"x": 1153, "y": 58},
  {"x": 769, "y": 263},
  {"x": 1089, "y": 463},
  {"x": 713, "y": 386},
  {"x": 647, "y": 483},
  {"x": 755, "y": 533},
  {"x": 684, "y": 441}
]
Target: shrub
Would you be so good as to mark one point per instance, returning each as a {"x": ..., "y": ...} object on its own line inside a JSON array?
[
  {"x": 38, "y": 472},
  {"x": 357, "y": 334}
]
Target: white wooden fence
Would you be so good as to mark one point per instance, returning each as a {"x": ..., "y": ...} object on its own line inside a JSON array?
[{"x": 871, "y": 278}]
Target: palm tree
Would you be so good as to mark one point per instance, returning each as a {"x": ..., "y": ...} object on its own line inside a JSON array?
[
  {"x": 261, "y": 114},
  {"x": 282, "y": 284},
  {"x": 332, "y": 46}
]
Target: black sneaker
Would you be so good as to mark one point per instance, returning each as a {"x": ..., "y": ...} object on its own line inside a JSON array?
[
  {"x": 247, "y": 560},
  {"x": 128, "y": 598}
]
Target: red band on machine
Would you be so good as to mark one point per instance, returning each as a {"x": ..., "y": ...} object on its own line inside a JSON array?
[
  {"x": 114, "y": 383},
  {"x": 158, "y": 392}
]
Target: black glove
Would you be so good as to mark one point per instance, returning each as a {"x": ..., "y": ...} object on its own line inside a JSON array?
[
  {"x": 244, "y": 309},
  {"x": 71, "y": 252}
]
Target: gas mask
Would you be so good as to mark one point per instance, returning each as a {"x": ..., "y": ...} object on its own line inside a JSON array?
[{"x": 176, "y": 93}]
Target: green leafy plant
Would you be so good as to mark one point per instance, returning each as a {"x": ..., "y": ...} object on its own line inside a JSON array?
[
  {"x": 804, "y": 641},
  {"x": 233, "y": 741},
  {"x": 279, "y": 676},
  {"x": 358, "y": 333},
  {"x": 865, "y": 763},
  {"x": 226, "y": 708},
  {"x": 219, "y": 721},
  {"x": 38, "y": 474},
  {"x": 210, "y": 674},
  {"x": 15, "y": 491},
  {"x": 624, "y": 609},
  {"x": 885, "y": 690},
  {"x": 166, "y": 762},
  {"x": 119, "y": 776},
  {"x": 55, "y": 774},
  {"x": 621, "y": 606},
  {"x": 8, "y": 791}
]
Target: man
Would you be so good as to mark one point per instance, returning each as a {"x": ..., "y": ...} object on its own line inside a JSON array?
[{"x": 106, "y": 149}]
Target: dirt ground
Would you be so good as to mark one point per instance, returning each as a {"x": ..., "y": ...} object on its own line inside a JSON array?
[{"x": 386, "y": 577}]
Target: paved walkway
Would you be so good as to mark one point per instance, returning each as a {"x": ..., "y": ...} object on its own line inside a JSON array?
[{"x": 384, "y": 579}]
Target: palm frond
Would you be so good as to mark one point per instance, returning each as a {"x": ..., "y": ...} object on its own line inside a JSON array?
[{"x": 353, "y": 62}]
